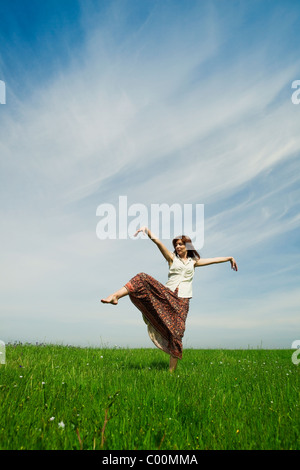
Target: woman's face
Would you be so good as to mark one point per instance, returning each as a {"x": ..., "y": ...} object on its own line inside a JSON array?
[{"x": 180, "y": 248}]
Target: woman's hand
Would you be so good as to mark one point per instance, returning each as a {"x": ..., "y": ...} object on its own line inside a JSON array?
[
  {"x": 142, "y": 229},
  {"x": 233, "y": 264}
]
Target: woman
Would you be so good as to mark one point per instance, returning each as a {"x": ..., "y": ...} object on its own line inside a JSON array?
[{"x": 165, "y": 307}]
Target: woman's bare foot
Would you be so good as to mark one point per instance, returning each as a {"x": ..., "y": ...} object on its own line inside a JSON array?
[{"x": 111, "y": 299}]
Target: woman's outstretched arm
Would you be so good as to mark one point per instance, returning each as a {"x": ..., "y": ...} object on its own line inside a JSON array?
[
  {"x": 164, "y": 250},
  {"x": 207, "y": 261}
]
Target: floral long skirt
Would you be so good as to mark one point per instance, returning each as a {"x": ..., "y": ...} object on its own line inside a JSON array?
[{"x": 163, "y": 311}]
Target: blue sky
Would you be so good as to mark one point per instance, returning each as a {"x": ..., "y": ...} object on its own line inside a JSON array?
[{"x": 183, "y": 102}]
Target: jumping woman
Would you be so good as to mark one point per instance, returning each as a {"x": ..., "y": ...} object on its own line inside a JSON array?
[{"x": 165, "y": 307}]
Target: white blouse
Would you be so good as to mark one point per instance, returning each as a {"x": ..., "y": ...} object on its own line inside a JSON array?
[{"x": 181, "y": 275}]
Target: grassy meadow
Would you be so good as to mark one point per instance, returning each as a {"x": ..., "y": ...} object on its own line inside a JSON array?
[{"x": 60, "y": 397}]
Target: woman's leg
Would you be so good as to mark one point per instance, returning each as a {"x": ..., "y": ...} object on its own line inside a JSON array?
[
  {"x": 113, "y": 298},
  {"x": 173, "y": 363}
]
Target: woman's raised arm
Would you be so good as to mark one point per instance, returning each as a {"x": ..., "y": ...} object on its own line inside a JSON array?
[
  {"x": 207, "y": 261},
  {"x": 168, "y": 255}
]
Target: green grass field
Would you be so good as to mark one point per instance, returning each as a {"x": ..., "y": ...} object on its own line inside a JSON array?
[{"x": 59, "y": 397}]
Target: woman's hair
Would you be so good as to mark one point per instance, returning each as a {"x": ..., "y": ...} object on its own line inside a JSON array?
[{"x": 192, "y": 253}]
